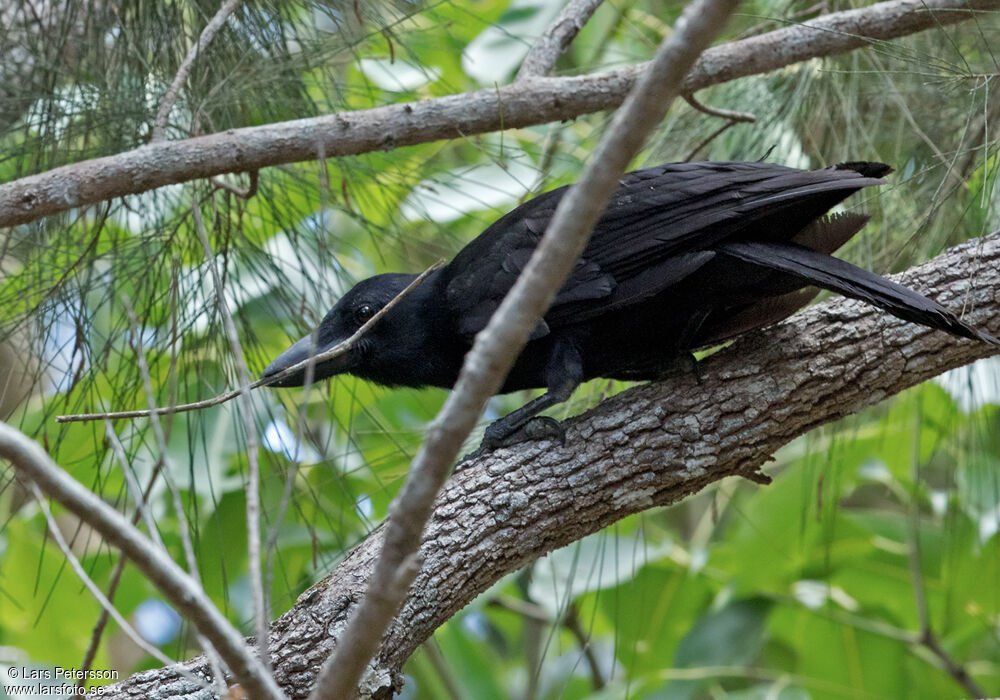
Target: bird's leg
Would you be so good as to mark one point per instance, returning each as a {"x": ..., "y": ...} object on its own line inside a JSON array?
[
  {"x": 563, "y": 375},
  {"x": 687, "y": 339}
]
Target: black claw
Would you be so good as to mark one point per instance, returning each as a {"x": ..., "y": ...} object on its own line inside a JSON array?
[
  {"x": 496, "y": 435},
  {"x": 542, "y": 427},
  {"x": 470, "y": 458},
  {"x": 695, "y": 368}
]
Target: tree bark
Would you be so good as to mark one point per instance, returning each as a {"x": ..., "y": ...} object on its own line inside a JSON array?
[
  {"x": 648, "y": 446},
  {"x": 524, "y": 103}
]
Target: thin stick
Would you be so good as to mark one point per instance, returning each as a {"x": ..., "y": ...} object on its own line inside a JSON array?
[
  {"x": 336, "y": 351},
  {"x": 271, "y": 543},
  {"x": 207, "y": 34},
  {"x": 242, "y": 193},
  {"x": 499, "y": 344},
  {"x": 927, "y": 638},
  {"x": 178, "y": 587},
  {"x": 729, "y": 114},
  {"x": 262, "y": 615},
  {"x": 542, "y": 57},
  {"x": 133, "y": 484},
  {"x": 81, "y": 573},
  {"x": 711, "y": 137},
  {"x": 570, "y": 620},
  {"x": 168, "y": 479},
  {"x": 115, "y": 579}
]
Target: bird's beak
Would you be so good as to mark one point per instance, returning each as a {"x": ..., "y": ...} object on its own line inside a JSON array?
[{"x": 303, "y": 350}]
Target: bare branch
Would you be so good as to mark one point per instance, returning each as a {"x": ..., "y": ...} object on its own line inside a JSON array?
[
  {"x": 929, "y": 641},
  {"x": 241, "y": 192},
  {"x": 707, "y": 140},
  {"x": 138, "y": 495},
  {"x": 261, "y": 615},
  {"x": 927, "y": 638},
  {"x": 498, "y": 345},
  {"x": 207, "y": 34},
  {"x": 179, "y": 588},
  {"x": 89, "y": 584},
  {"x": 570, "y": 619},
  {"x": 114, "y": 581},
  {"x": 542, "y": 57},
  {"x": 335, "y": 351},
  {"x": 531, "y": 102},
  {"x": 729, "y": 114}
]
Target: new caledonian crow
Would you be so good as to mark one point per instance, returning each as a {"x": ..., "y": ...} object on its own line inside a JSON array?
[{"x": 686, "y": 256}]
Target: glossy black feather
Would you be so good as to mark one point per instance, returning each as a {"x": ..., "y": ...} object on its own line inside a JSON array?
[{"x": 657, "y": 214}]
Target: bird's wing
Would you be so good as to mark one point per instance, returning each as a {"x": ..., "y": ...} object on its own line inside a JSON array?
[
  {"x": 692, "y": 206},
  {"x": 484, "y": 271},
  {"x": 659, "y": 227}
]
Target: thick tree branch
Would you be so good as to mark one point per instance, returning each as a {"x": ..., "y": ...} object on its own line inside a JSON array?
[
  {"x": 524, "y": 103},
  {"x": 651, "y": 445}
]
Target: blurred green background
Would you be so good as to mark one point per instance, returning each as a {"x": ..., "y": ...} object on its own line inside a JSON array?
[{"x": 819, "y": 586}]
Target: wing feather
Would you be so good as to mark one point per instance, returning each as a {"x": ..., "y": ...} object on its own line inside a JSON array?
[{"x": 653, "y": 234}]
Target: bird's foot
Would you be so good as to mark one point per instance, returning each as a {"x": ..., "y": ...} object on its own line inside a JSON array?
[
  {"x": 695, "y": 366},
  {"x": 498, "y": 435},
  {"x": 542, "y": 428},
  {"x": 682, "y": 364}
]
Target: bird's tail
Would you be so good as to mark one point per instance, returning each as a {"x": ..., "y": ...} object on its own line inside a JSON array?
[{"x": 839, "y": 276}]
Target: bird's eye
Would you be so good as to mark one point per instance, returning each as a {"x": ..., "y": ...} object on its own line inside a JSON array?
[{"x": 363, "y": 313}]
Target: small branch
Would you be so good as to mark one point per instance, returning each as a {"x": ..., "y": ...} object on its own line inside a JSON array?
[
  {"x": 524, "y": 608},
  {"x": 89, "y": 584},
  {"x": 525, "y": 103},
  {"x": 179, "y": 588},
  {"x": 440, "y": 666},
  {"x": 499, "y": 344},
  {"x": 114, "y": 581},
  {"x": 271, "y": 544},
  {"x": 261, "y": 616},
  {"x": 542, "y": 57},
  {"x": 242, "y": 193},
  {"x": 732, "y": 118},
  {"x": 168, "y": 479},
  {"x": 929, "y": 641},
  {"x": 571, "y": 620},
  {"x": 335, "y": 351},
  {"x": 708, "y": 139},
  {"x": 729, "y": 114},
  {"x": 207, "y": 34},
  {"x": 163, "y": 459},
  {"x": 138, "y": 495}
]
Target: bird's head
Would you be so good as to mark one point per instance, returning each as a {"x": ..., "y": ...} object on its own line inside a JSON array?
[{"x": 356, "y": 307}]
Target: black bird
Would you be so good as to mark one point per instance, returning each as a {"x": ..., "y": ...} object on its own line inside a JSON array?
[{"x": 686, "y": 256}]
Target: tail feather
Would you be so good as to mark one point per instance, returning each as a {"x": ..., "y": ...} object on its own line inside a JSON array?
[
  {"x": 765, "y": 312},
  {"x": 866, "y": 168},
  {"x": 839, "y": 276},
  {"x": 828, "y": 233}
]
